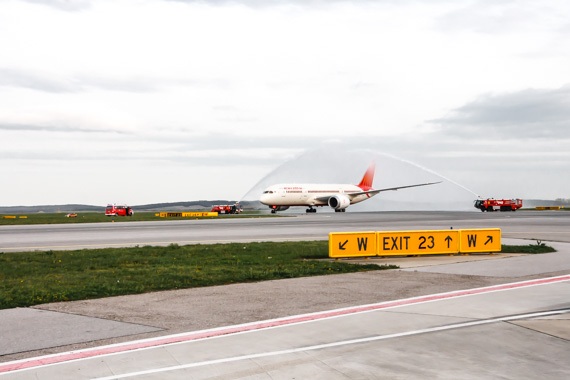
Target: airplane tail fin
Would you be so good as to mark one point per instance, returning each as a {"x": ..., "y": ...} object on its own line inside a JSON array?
[{"x": 366, "y": 182}]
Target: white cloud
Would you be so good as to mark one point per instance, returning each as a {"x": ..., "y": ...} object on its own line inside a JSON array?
[
  {"x": 532, "y": 113},
  {"x": 64, "y": 5},
  {"x": 504, "y": 17},
  {"x": 204, "y": 89}
]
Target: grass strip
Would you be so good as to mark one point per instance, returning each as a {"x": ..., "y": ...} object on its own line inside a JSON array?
[
  {"x": 33, "y": 278},
  {"x": 100, "y": 217},
  {"x": 531, "y": 248}
]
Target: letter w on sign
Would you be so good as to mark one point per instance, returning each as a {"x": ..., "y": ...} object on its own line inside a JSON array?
[{"x": 362, "y": 243}]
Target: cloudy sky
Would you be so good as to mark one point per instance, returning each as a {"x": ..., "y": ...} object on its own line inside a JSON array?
[{"x": 145, "y": 101}]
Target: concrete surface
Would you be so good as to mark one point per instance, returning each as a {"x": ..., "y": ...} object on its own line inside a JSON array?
[
  {"x": 60, "y": 327},
  {"x": 495, "y": 333},
  {"x": 28, "y": 329}
]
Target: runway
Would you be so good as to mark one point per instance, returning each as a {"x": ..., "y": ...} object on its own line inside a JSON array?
[
  {"x": 485, "y": 316},
  {"x": 546, "y": 225}
]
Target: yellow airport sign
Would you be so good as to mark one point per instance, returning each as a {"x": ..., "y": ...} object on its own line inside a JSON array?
[
  {"x": 422, "y": 242},
  {"x": 352, "y": 244},
  {"x": 185, "y": 214},
  {"x": 480, "y": 240},
  {"x": 198, "y": 214},
  {"x": 428, "y": 242}
]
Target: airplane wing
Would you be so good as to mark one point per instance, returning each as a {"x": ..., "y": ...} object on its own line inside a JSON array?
[
  {"x": 371, "y": 193},
  {"x": 374, "y": 192}
]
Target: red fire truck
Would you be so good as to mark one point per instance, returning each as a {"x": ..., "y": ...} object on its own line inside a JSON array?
[
  {"x": 118, "y": 210},
  {"x": 226, "y": 209},
  {"x": 498, "y": 204}
]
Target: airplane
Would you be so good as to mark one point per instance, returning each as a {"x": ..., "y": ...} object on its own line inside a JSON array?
[{"x": 338, "y": 196}]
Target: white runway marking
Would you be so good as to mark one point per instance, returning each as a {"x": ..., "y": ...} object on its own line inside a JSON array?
[
  {"x": 121, "y": 348},
  {"x": 335, "y": 344}
]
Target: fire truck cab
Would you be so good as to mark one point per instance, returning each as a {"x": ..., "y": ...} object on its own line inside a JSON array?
[
  {"x": 118, "y": 210},
  {"x": 227, "y": 209},
  {"x": 498, "y": 204}
]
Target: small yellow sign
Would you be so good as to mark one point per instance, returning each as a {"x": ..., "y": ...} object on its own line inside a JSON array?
[
  {"x": 198, "y": 214},
  {"x": 480, "y": 240},
  {"x": 352, "y": 244},
  {"x": 186, "y": 214},
  {"x": 397, "y": 243}
]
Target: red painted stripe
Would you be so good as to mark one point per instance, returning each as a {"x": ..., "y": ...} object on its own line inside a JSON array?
[{"x": 131, "y": 346}]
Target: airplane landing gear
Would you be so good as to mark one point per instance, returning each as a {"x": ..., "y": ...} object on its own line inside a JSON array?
[{"x": 310, "y": 209}]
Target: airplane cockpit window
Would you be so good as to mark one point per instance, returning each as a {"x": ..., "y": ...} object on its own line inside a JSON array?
[{"x": 268, "y": 192}]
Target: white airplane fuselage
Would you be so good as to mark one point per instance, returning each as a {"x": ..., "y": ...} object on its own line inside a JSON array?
[
  {"x": 337, "y": 196},
  {"x": 309, "y": 194}
]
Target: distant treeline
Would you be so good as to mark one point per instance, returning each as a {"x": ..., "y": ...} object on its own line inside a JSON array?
[
  {"x": 172, "y": 206},
  {"x": 529, "y": 203},
  {"x": 204, "y": 205}
]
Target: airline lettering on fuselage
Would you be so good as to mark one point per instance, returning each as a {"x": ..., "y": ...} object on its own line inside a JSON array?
[{"x": 293, "y": 190}]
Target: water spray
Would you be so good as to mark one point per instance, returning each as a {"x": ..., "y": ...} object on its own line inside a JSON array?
[{"x": 432, "y": 172}]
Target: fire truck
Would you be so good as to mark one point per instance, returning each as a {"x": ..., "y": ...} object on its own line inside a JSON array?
[
  {"x": 498, "y": 204},
  {"x": 226, "y": 209},
  {"x": 118, "y": 210}
]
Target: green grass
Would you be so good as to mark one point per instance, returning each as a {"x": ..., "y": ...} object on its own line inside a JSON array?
[
  {"x": 531, "y": 248},
  {"x": 99, "y": 217},
  {"x": 33, "y": 278}
]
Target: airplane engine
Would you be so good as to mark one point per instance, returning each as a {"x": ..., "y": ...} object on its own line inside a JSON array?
[
  {"x": 274, "y": 209},
  {"x": 339, "y": 202}
]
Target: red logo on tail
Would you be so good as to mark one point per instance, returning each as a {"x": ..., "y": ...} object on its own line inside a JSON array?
[{"x": 366, "y": 183}]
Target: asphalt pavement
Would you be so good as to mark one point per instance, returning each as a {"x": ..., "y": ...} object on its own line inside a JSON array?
[{"x": 34, "y": 336}]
